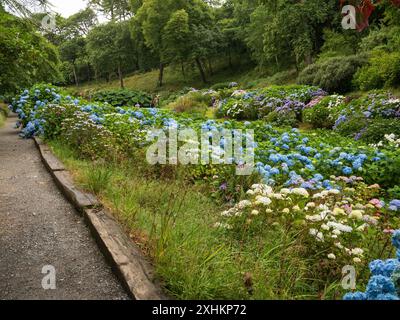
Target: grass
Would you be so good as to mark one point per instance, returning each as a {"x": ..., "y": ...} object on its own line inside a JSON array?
[
  {"x": 3, "y": 113},
  {"x": 172, "y": 221},
  {"x": 173, "y": 79}
]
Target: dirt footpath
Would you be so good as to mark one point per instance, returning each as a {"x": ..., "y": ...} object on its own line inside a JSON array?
[{"x": 38, "y": 228}]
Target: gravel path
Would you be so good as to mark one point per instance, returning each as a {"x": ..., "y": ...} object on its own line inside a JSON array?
[{"x": 39, "y": 227}]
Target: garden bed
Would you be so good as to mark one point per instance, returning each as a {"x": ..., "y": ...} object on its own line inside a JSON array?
[{"x": 316, "y": 202}]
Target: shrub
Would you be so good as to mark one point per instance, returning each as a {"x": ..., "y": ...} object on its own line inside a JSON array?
[
  {"x": 378, "y": 128},
  {"x": 3, "y": 111},
  {"x": 193, "y": 102},
  {"x": 287, "y": 101},
  {"x": 394, "y": 193},
  {"x": 370, "y": 117},
  {"x": 333, "y": 74},
  {"x": 338, "y": 44},
  {"x": 224, "y": 85},
  {"x": 351, "y": 126},
  {"x": 324, "y": 113},
  {"x": 123, "y": 97},
  {"x": 287, "y": 118},
  {"x": 91, "y": 140},
  {"x": 383, "y": 70}
]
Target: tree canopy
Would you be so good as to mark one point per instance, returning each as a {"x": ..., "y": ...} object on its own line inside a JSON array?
[{"x": 140, "y": 35}]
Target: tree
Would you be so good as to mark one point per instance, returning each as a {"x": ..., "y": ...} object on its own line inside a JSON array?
[
  {"x": 111, "y": 49},
  {"x": 176, "y": 36},
  {"x": 26, "y": 57},
  {"x": 21, "y": 6},
  {"x": 158, "y": 19},
  {"x": 291, "y": 32},
  {"x": 82, "y": 22},
  {"x": 71, "y": 50},
  {"x": 114, "y": 10}
]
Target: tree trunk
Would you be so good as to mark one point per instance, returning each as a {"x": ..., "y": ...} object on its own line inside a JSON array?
[
  {"x": 89, "y": 73},
  {"x": 161, "y": 75},
  {"x": 308, "y": 59},
  {"x": 75, "y": 75},
  {"x": 183, "y": 70},
  {"x": 203, "y": 75},
  {"x": 230, "y": 59},
  {"x": 210, "y": 67},
  {"x": 121, "y": 77}
]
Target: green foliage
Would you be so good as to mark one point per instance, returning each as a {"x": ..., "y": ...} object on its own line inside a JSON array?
[
  {"x": 382, "y": 71},
  {"x": 334, "y": 75},
  {"x": 383, "y": 38},
  {"x": 175, "y": 212},
  {"x": 394, "y": 193},
  {"x": 281, "y": 105},
  {"x": 193, "y": 102},
  {"x": 288, "y": 119},
  {"x": 325, "y": 113},
  {"x": 370, "y": 117},
  {"x": 376, "y": 129},
  {"x": 221, "y": 86},
  {"x": 123, "y": 97},
  {"x": 25, "y": 56},
  {"x": 90, "y": 140},
  {"x": 3, "y": 114},
  {"x": 111, "y": 49},
  {"x": 288, "y": 30},
  {"x": 338, "y": 44}
]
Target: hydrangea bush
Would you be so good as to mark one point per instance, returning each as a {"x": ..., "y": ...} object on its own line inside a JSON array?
[
  {"x": 384, "y": 283},
  {"x": 338, "y": 227},
  {"x": 332, "y": 191},
  {"x": 280, "y": 105}
]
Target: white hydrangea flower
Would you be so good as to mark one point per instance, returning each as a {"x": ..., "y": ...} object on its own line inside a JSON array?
[
  {"x": 339, "y": 245},
  {"x": 357, "y": 252},
  {"x": 277, "y": 196},
  {"x": 311, "y": 205},
  {"x": 357, "y": 260},
  {"x": 331, "y": 256},
  {"x": 263, "y": 200},
  {"x": 313, "y": 232},
  {"x": 339, "y": 227},
  {"x": 314, "y": 218},
  {"x": 338, "y": 211},
  {"x": 362, "y": 227},
  {"x": 320, "y": 237},
  {"x": 301, "y": 192},
  {"x": 325, "y": 227},
  {"x": 244, "y": 204},
  {"x": 285, "y": 191},
  {"x": 356, "y": 214}
]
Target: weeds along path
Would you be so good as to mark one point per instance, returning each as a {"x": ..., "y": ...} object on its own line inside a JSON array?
[{"x": 38, "y": 227}]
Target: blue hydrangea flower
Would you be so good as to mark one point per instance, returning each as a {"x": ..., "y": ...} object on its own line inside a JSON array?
[
  {"x": 387, "y": 297},
  {"x": 396, "y": 239},
  {"x": 380, "y": 285},
  {"x": 347, "y": 171},
  {"x": 394, "y": 205},
  {"x": 355, "y": 296}
]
